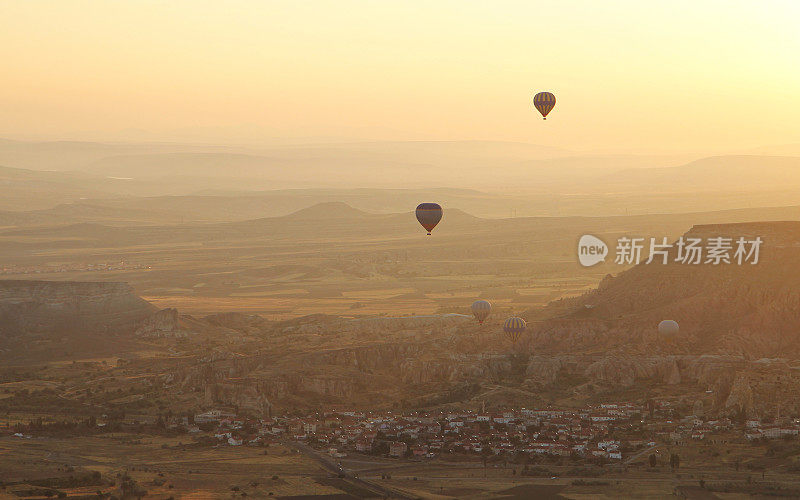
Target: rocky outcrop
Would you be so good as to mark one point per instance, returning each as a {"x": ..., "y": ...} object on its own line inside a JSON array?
[
  {"x": 237, "y": 321},
  {"x": 56, "y": 307},
  {"x": 740, "y": 397},
  {"x": 619, "y": 371},
  {"x": 164, "y": 323}
]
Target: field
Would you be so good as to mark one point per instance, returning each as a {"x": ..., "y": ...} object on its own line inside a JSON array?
[
  {"x": 163, "y": 467},
  {"x": 175, "y": 467}
]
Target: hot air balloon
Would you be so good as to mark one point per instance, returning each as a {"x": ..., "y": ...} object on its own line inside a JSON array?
[
  {"x": 481, "y": 310},
  {"x": 513, "y": 328},
  {"x": 668, "y": 329},
  {"x": 429, "y": 214},
  {"x": 544, "y": 102}
]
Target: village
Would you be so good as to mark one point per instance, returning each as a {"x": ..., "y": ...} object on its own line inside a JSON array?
[
  {"x": 608, "y": 433},
  {"x": 71, "y": 267}
]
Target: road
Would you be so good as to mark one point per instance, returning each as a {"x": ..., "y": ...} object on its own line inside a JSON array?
[
  {"x": 636, "y": 456},
  {"x": 329, "y": 465}
]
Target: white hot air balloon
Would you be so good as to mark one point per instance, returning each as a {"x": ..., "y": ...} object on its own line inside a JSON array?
[{"x": 668, "y": 329}]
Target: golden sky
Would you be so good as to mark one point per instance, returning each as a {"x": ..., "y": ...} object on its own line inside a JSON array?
[{"x": 695, "y": 75}]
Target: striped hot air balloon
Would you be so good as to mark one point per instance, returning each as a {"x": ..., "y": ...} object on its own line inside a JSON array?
[
  {"x": 513, "y": 328},
  {"x": 429, "y": 214},
  {"x": 544, "y": 102},
  {"x": 481, "y": 310}
]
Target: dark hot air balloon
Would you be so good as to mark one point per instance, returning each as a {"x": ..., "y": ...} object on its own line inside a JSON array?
[
  {"x": 429, "y": 214},
  {"x": 481, "y": 310},
  {"x": 544, "y": 102}
]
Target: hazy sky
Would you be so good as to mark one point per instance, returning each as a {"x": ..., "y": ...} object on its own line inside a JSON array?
[{"x": 667, "y": 76}]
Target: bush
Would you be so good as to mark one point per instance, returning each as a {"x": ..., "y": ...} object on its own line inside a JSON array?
[
  {"x": 584, "y": 482},
  {"x": 537, "y": 471}
]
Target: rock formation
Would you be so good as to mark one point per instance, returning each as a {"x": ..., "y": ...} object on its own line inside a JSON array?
[{"x": 57, "y": 307}]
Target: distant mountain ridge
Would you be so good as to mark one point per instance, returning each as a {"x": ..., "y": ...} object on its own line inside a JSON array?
[
  {"x": 512, "y": 178},
  {"x": 327, "y": 210},
  {"x": 718, "y": 172}
]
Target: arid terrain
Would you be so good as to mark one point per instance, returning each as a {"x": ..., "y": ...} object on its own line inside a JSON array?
[
  {"x": 426, "y": 250},
  {"x": 122, "y": 312}
]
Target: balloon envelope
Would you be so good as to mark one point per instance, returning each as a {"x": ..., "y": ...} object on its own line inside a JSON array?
[
  {"x": 429, "y": 214},
  {"x": 544, "y": 102},
  {"x": 668, "y": 328},
  {"x": 513, "y": 328},
  {"x": 481, "y": 310}
]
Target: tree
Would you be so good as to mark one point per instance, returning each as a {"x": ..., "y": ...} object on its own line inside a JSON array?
[
  {"x": 485, "y": 452},
  {"x": 674, "y": 461}
]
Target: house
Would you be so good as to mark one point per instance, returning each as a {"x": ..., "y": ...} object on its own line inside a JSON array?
[
  {"x": 561, "y": 450},
  {"x": 605, "y": 445},
  {"x": 753, "y": 435},
  {"x": 363, "y": 446},
  {"x": 677, "y": 438},
  {"x": 419, "y": 451},
  {"x": 211, "y": 416},
  {"x": 397, "y": 449}
]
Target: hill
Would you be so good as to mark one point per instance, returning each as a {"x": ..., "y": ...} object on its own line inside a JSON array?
[
  {"x": 53, "y": 320},
  {"x": 33, "y": 306},
  {"x": 717, "y": 173},
  {"x": 748, "y": 310},
  {"x": 328, "y": 210}
]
